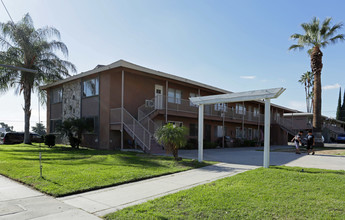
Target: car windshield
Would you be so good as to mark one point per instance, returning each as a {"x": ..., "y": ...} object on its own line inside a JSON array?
[{"x": 341, "y": 135}]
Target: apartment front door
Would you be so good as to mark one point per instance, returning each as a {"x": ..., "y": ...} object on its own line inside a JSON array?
[{"x": 158, "y": 97}]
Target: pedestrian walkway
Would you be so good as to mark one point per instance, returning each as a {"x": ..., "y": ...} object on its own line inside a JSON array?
[
  {"x": 104, "y": 201},
  {"x": 18, "y": 202}
]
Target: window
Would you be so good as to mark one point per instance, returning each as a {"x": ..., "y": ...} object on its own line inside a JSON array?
[
  {"x": 220, "y": 107},
  {"x": 54, "y": 125},
  {"x": 176, "y": 123},
  {"x": 91, "y": 87},
  {"x": 193, "y": 130},
  {"x": 250, "y": 133},
  {"x": 174, "y": 96},
  {"x": 256, "y": 112},
  {"x": 240, "y": 109},
  {"x": 57, "y": 95},
  {"x": 238, "y": 132},
  {"x": 91, "y": 124},
  {"x": 192, "y": 95},
  {"x": 219, "y": 131}
]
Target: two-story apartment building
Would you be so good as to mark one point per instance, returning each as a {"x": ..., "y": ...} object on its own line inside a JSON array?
[
  {"x": 125, "y": 102},
  {"x": 302, "y": 121}
]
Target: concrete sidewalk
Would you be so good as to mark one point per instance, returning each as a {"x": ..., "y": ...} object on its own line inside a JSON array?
[
  {"x": 18, "y": 201},
  {"x": 104, "y": 201}
]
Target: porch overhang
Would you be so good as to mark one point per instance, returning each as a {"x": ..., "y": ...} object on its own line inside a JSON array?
[{"x": 264, "y": 94}]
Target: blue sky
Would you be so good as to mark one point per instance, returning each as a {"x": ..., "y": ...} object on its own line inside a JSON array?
[{"x": 234, "y": 45}]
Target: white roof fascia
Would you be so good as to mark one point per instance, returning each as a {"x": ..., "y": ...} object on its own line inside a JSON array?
[{"x": 238, "y": 96}]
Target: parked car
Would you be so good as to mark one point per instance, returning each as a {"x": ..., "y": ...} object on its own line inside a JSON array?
[
  {"x": 18, "y": 137},
  {"x": 304, "y": 140},
  {"x": 340, "y": 138}
]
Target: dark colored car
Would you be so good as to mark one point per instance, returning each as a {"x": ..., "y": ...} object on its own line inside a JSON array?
[
  {"x": 18, "y": 137},
  {"x": 340, "y": 138}
]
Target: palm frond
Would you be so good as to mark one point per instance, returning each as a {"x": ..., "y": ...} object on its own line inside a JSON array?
[
  {"x": 339, "y": 37},
  {"x": 296, "y": 46}
]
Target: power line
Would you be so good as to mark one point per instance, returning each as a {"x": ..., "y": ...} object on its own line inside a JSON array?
[{"x": 7, "y": 11}]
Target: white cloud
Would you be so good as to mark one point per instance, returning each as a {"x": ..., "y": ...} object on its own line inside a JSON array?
[
  {"x": 298, "y": 105},
  {"x": 328, "y": 87},
  {"x": 247, "y": 77}
]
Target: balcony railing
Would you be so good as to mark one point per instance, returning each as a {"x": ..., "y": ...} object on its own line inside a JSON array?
[{"x": 185, "y": 106}]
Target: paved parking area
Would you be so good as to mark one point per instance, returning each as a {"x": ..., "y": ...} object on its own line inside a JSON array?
[{"x": 254, "y": 156}]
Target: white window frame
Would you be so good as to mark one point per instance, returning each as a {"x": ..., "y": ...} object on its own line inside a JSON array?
[{"x": 176, "y": 123}]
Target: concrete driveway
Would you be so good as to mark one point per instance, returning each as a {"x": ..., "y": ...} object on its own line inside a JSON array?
[{"x": 254, "y": 156}]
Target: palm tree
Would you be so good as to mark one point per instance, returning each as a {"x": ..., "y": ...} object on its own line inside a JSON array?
[
  {"x": 317, "y": 37},
  {"x": 307, "y": 79},
  {"x": 25, "y": 46},
  {"x": 172, "y": 138}
]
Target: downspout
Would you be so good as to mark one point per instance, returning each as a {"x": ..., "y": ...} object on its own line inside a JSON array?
[
  {"x": 122, "y": 105},
  {"x": 166, "y": 100}
]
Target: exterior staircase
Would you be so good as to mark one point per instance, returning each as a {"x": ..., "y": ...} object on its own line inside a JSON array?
[{"x": 142, "y": 131}]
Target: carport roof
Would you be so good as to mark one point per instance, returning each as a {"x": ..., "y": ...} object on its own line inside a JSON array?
[{"x": 239, "y": 96}]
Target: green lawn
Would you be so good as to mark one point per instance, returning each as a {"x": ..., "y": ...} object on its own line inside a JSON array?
[
  {"x": 275, "y": 193},
  {"x": 67, "y": 171}
]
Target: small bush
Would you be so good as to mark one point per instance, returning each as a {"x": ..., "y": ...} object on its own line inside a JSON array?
[
  {"x": 49, "y": 140},
  {"x": 209, "y": 145},
  {"x": 192, "y": 143}
]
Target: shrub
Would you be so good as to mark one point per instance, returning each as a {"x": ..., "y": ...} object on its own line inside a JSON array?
[
  {"x": 192, "y": 143},
  {"x": 49, "y": 140},
  {"x": 209, "y": 145}
]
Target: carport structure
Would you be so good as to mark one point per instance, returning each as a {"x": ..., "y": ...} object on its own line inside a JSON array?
[{"x": 254, "y": 95}]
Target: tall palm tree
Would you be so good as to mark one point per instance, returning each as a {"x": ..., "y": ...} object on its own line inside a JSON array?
[
  {"x": 317, "y": 36},
  {"x": 172, "y": 138},
  {"x": 307, "y": 79},
  {"x": 24, "y": 46}
]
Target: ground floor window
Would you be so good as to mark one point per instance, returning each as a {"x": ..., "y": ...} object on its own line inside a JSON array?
[
  {"x": 250, "y": 133},
  {"x": 207, "y": 132},
  {"x": 193, "y": 130},
  {"x": 54, "y": 125},
  {"x": 238, "y": 132},
  {"x": 176, "y": 123},
  {"x": 91, "y": 124},
  {"x": 219, "y": 131}
]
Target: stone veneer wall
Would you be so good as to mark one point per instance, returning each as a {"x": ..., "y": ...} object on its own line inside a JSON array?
[{"x": 71, "y": 100}]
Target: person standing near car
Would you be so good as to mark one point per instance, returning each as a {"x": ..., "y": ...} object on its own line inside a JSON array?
[
  {"x": 310, "y": 142},
  {"x": 298, "y": 140}
]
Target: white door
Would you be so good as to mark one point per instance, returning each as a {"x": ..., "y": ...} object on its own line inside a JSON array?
[{"x": 158, "y": 97}]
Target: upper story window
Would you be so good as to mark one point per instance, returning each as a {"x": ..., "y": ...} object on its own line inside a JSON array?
[
  {"x": 220, "y": 107},
  {"x": 256, "y": 112},
  {"x": 174, "y": 96},
  {"x": 240, "y": 109},
  {"x": 57, "y": 95},
  {"x": 91, "y": 87},
  {"x": 192, "y": 95}
]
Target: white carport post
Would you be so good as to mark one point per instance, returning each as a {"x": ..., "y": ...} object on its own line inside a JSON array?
[
  {"x": 200, "y": 132},
  {"x": 265, "y": 94},
  {"x": 267, "y": 133}
]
